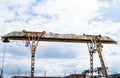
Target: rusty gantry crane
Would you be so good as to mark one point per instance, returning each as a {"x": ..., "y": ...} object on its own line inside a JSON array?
[{"x": 94, "y": 43}]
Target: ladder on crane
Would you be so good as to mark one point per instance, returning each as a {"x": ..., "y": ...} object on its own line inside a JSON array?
[{"x": 93, "y": 41}]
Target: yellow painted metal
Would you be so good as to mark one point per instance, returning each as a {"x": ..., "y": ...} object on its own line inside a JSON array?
[
  {"x": 94, "y": 47},
  {"x": 94, "y": 44},
  {"x": 53, "y": 37},
  {"x": 33, "y": 39}
]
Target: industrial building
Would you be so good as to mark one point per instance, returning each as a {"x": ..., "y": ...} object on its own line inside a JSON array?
[
  {"x": 69, "y": 76},
  {"x": 34, "y": 77},
  {"x": 75, "y": 76},
  {"x": 114, "y": 76}
]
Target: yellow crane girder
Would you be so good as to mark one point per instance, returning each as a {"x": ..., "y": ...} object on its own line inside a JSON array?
[{"x": 94, "y": 43}]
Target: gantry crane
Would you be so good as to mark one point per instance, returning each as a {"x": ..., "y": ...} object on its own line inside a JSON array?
[{"x": 94, "y": 43}]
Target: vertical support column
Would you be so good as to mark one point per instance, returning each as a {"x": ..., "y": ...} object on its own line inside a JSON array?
[
  {"x": 91, "y": 64},
  {"x": 33, "y": 46},
  {"x": 33, "y": 50},
  {"x": 91, "y": 52},
  {"x": 103, "y": 68},
  {"x": 34, "y": 38},
  {"x": 95, "y": 46}
]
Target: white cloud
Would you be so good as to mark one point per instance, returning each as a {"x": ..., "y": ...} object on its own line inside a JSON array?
[
  {"x": 67, "y": 16},
  {"x": 105, "y": 27},
  {"x": 62, "y": 16},
  {"x": 71, "y": 16}
]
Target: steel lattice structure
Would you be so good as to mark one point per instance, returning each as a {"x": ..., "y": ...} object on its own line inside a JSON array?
[{"x": 94, "y": 43}]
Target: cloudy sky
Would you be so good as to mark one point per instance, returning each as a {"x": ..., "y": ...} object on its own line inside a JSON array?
[{"x": 59, "y": 16}]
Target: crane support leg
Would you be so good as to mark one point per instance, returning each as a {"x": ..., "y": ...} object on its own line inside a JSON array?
[
  {"x": 33, "y": 50},
  {"x": 33, "y": 38},
  {"x": 104, "y": 71},
  {"x": 91, "y": 52},
  {"x": 33, "y": 46},
  {"x": 93, "y": 47},
  {"x": 91, "y": 64}
]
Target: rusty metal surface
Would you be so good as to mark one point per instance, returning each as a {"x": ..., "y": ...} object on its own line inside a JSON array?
[{"x": 54, "y": 37}]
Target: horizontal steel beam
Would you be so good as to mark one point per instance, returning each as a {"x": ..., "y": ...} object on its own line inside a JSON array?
[{"x": 53, "y": 37}]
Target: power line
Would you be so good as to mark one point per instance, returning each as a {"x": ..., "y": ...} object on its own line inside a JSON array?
[{"x": 3, "y": 60}]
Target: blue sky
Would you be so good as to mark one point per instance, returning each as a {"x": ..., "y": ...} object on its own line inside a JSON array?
[{"x": 59, "y": 16}]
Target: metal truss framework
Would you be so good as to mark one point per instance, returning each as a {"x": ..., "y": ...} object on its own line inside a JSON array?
[
  {"x": 94, "y": 43},
  {"x": 94, "y": 47}
]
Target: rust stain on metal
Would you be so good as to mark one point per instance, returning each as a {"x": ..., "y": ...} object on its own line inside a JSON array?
[{"x": 58, "y": 37}]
